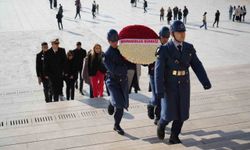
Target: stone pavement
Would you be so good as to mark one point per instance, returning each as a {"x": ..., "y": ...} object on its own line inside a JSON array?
[{"x": 220, "y": 119}]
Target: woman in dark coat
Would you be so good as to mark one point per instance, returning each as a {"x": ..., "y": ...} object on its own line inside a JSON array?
[{"x": 70, "y": 76}]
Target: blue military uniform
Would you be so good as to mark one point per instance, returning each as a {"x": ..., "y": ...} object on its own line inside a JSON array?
[
  {"x": 117, "y": 81},
  {"x": 154, "y": 106},
  {"x": 175, "y": 83},
  {"x": 172, "y": 81}
]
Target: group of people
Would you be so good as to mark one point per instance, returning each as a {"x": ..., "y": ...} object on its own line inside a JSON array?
[
  {"x": 178, "y": 14},
  {"x": 145, "y": 4},
  {"x": 169, "y": 78},
  {"x": 237, "y": 14},
  {"x": 59, "y": 15},
  {"x": 53, "y": 66}
]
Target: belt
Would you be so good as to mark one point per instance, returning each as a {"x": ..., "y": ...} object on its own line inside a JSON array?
[{"x": 179, "y": 73}]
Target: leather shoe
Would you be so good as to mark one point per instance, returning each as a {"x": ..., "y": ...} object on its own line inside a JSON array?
[
  {"x": 119, "y": 130},
  {"x": 161, "y": 131},
  {"x": 174, "y": 139}
]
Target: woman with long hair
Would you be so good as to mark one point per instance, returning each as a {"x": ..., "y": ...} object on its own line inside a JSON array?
[{"x": 96, "y": 70}]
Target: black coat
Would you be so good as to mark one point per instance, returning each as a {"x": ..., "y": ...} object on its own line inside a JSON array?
[
  {"x": 79, "y": 55},
  {"x": 185, "y": 12},
  {"x": 95, "y": 64},
  {"x": 59, "y": 17},
  {"x": 40, "y": 65},
  {"x": 54, "y": 63},
  {"x": 70, "y": 69}
]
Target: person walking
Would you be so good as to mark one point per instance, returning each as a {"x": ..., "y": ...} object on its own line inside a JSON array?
[
  {"x": 40, "y": 73},
  {"x": 179, "y": 14},
  {"x": 172, "y": 81},
  {"x": 79, "y": 56},
  {"x": 96, "y": 70},
  {"x": 54, "y": 61},
  {"x": 145, "y": 5},
  {"x": 154, "y": 106},
  {"x": 185, "y": 13},
  {"x": 162, "y": 11},
  {"x": 78, "y": 8},
  {"x": 230, "y": 12},
  {"x": 70, "y": 75},
  {"x": 204, "y": 20},
  {"x": 94, "y": 10},
  {"x": 169, "y": 15},
  {"x": 217, "y": 18},
  {"x": 117, "y": 80}
]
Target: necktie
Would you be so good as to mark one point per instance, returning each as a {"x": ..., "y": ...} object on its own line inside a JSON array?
[{"x": 179, "y": 48}]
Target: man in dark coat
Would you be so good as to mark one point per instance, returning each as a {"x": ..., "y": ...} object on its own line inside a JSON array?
[
  {"x": 179, "y": 14},
  {"x": 93, "y": 9},
  {"x": 54, "y": 63},
  {"x": 154, "y": 106},
  {"x": 173, "y": 82},
  {"x": 175, "y": 11},
  {"x": 40, "y": 73},
  {"x": 79, "y": 56},
  {"x": 59, "y": 21},
  {"x": 217, "y": 18},
  {"x": 117, "y": 81},
  {"x": 78, "y": 8},
  {"x": 145, "y": 5},
  {"x": 185, "y": 13}
]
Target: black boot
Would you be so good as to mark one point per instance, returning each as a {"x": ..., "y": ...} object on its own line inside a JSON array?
[
  {"x": 119, "y": 130},
  {"x": 174, "y": 139},
  {"x": 156, "y": 120},
  {"x": 161, "y": 131},
  {"x": 110, "y": 109},
  {"x": 151, "y": 114}
]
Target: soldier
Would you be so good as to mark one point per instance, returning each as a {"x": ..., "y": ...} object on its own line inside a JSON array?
[
  {"x": 40, "y": 73},
  {"x": 54, "y": 61},
  {"x": 79, "y": 56},
  {"x": 173, "y": 82},
  {"x": 154, "y": 106},
  {"x": 117, "y": 81}
]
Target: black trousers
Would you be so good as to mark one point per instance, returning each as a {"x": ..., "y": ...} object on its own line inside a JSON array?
[
  {"x": 50, "y": 4},
  {"x": 78, "y": 13},
  {"x": 47, "y": 90},
  {"x": 70, "y": 89},
  {"x": 118, "y": 116},
  {"x": 81, "y": 80},
  {"x": 176, "y": 126},
  {"x": 216, "y": 21},
  {"x": 60, "y": 25},
  {"x": 57, "y": 85}
]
